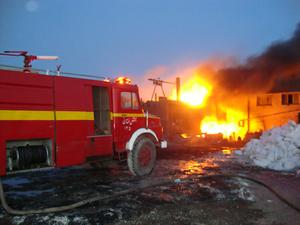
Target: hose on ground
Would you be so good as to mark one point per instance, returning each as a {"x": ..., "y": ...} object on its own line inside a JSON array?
[
  {"x": 132, "y": 190},
  {"x": 73, "y": 205}
]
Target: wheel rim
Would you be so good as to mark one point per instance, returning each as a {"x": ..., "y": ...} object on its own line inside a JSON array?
[{"x": 145, "y": 156}]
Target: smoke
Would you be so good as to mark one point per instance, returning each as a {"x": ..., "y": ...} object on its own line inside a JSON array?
[{"x": 276, "y": 69}]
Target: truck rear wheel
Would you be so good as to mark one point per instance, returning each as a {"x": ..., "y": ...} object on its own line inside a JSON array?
[{"x": 141, "y": 159}]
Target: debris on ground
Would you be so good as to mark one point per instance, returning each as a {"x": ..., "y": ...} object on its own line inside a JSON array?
[{"x": 277, "y": 149}]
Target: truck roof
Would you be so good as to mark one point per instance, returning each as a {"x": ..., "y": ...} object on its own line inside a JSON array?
[{"x": 70, "y": 75}]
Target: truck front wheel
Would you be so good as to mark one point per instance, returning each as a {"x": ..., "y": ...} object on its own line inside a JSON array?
[{"x": 141, "y": 159}]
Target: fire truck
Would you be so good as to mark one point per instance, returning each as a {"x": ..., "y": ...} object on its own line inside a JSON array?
[{"x": 51, "y": 119}]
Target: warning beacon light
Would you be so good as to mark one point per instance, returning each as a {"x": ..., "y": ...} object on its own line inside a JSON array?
[
  {"x": 122, "y": 80},
  {"x": 28, "y": 58}
]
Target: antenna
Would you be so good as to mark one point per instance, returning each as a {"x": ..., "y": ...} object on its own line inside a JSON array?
[{"x": 28, "y": 58}]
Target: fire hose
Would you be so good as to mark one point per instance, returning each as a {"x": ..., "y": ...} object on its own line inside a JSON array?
[{"x": 133, "y": 190}]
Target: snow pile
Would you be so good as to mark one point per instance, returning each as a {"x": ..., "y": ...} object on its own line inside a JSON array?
[{"x": 278, "y": 148}]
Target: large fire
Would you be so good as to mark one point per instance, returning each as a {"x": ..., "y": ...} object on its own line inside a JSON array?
[
  {"x": 233, "y": 127},
  {"x": 194, "y": 92},
  {"x": 232, "y": 123}
]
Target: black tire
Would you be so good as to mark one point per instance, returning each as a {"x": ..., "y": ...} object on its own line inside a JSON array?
[{"x": 141, "y": 159}]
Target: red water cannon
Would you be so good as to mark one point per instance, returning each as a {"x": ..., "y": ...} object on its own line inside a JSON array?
[{"x": 28, "y": 58}]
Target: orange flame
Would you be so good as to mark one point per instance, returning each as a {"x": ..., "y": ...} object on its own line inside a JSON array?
[
  {"x": 230, "y": 130},
  {"x": 234, "y": 127},
  {"x": 194, "y": 92},
  {"x": 232, "y": 123}
]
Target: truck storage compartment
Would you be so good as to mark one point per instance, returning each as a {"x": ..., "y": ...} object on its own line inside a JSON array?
[{"x": 28, "y": 154}]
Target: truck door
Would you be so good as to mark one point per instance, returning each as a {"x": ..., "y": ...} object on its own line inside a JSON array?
[
  {"x": 127, "y": 115},
  {"x": 101, "y": 139}
]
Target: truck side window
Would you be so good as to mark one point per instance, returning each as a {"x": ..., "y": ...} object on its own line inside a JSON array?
[
  {"x": 129, "y": 100},
  {"x": 126, "y": 100}
]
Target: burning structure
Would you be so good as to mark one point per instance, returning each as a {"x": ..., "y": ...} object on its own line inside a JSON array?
[
  {"x": 240, "y": 99},
  {"x": 275, "y": 109},
  {"x": 177, "y": 118}
]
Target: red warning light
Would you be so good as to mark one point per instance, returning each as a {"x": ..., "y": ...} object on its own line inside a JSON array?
[{"x": 122, "y": 80}]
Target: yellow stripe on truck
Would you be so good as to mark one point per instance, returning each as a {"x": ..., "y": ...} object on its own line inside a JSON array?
[
  {"x": 59, "y": 115},
  {"x": 74, "y": 115},
  {"x": 133, "y": 115},
  {"x": 127, "y": 115},
  {"x": 26, "y": 115},
  {"x": 45, "y": 115}
]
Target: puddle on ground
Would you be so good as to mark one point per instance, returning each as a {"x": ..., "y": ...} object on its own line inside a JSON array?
[
  {"x": 197, "y": 167},
  {"x": 15, "y": 182},
  {"x": 227, "y": 151}
]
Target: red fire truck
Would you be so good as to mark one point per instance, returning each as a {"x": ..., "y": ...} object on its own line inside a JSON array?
[{"x": 60, "y": 121}]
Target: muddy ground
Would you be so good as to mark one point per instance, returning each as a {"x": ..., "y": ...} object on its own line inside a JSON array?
[{"x": 186, "y": 199}]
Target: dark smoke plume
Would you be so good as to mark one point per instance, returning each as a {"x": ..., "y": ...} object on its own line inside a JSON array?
[{"x": 277, "y": 69}]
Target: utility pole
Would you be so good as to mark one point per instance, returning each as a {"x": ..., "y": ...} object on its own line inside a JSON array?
[
  {"x": 248, "y": 115},
  {"x": 177, "y": 89}
]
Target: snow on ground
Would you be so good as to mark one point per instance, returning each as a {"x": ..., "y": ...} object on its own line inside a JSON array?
[
  {"x": 278, "y": 148},
  {"x": 18, "y": 220},
  {"x": 61, "y": 220},
  {"x": 246, "y": 194}
]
